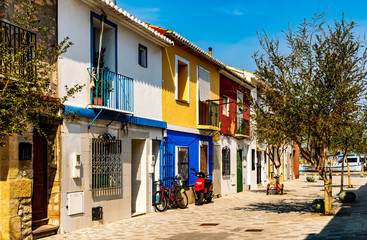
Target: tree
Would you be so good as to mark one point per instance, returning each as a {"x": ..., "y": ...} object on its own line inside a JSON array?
[
  {"x": 267, "y": 131},
  {"x": 26, "y": 68},
  {"x": 314, "y": 86},
  {"x": 350, "y": 139}
]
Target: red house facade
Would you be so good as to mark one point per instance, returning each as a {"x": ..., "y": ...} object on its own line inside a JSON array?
[{"x": 234, "y": 111}]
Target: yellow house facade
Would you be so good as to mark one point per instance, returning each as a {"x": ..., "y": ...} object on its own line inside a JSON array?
[
  {"x": 180, "y": 87},
  {"x": 190, "y": 106}
]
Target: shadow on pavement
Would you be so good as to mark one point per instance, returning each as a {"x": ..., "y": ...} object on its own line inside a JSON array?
[
  {"x": 279, "y": 207},
  {"x": 200, "y": 235},
  {"x": 349, "y": 222}
]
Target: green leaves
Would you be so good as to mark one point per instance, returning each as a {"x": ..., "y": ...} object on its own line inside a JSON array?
[
  {"x": 314, "y": 89},
  {"x": 28, "y": 89}
]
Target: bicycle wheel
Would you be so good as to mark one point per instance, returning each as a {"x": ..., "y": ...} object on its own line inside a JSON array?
[
  {"x": 182, "y": 200},
  {"x": 159, "y": 201}
]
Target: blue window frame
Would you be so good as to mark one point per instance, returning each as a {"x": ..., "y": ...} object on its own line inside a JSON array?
[
  {"x": 95, "y": 16},
  {"x": 143, "y": 56}
]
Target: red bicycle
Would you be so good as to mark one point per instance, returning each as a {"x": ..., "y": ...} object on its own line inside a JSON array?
[
  {"x": 276, "y": 188},
  {"x": 173, "y": 195}
]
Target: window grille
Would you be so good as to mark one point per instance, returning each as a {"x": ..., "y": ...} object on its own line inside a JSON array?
[
  {"x": 106, "y": 166},
  {"x": 226, "y": 161}
]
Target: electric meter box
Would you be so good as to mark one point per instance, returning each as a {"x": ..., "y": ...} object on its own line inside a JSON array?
[{"x": 76, "y": 158}]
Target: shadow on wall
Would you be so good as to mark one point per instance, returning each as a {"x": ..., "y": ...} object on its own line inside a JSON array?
[{"x": 349, "y": 222}]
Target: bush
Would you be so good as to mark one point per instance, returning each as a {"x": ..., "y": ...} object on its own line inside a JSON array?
[
  {"x": 347, "y": 196},
  {"x": 310, "y": 179},
  {"x": 318, "y": 205}
]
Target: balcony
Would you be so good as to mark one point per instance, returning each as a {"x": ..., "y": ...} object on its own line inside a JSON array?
[
  {"x": 208, "y": 116},
  {"x": 243, "y": 128},
  {"x": 111, "y": 90},
  {"x": 19, "y": 46}
]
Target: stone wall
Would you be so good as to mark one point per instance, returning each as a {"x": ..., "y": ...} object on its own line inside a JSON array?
[
  {"x": 16, "y": 177},
  {"x": 15, "y": 191},
  {"x": 47, "y": 14}
]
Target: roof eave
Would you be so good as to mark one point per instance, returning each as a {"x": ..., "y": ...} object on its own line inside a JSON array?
[
  {"x": 132, "y": 22},
  {"x": 234, "y": 77},
  {"x": 176, "y": 37}
]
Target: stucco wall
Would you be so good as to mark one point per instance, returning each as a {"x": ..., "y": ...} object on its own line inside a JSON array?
[
  {"x": 74, "y": 22},
  {"x": 77, "y": 138},
  {"x": 176, "y": 112},
  {"x": 229, "y": 89}
]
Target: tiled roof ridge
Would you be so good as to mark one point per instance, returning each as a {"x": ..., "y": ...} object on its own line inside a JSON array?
[{"x": 195, "y": 47}]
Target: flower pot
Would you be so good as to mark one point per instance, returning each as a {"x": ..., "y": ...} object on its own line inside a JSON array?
[
  {"x": 318, "y": 205},
  {"x": 347, "y": 196},
  {"x": 97, "y": 101}
]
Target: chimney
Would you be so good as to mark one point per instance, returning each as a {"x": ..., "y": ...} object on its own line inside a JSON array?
[{"x": 211, "y": 51}]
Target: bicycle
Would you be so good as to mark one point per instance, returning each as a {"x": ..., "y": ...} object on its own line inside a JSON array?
[
  {"x": 174, "y": 195},
  {"x": 275, "y": 188}
]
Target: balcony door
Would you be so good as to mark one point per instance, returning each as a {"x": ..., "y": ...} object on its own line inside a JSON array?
[{"x": 239, "y": 108}]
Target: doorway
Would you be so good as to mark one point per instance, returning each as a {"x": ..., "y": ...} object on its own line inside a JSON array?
[
  {"x": 138, "y": 177},
  {"x": 204, "y": 159},
  {"x": 39, "y": 196},
  {"x": 258, "y": 167},
  {"x": 239, "y": 171}
]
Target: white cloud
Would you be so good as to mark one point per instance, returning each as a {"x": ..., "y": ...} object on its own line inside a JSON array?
[{"x": 237, "y": 12}]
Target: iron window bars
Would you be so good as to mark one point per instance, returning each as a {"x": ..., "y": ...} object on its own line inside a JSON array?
[{"x": 106, "y": 166}]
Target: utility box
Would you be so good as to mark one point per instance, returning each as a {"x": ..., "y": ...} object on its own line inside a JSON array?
[
  {"x": 75, "y": 203},
  {"x": 76, "y": 165}
]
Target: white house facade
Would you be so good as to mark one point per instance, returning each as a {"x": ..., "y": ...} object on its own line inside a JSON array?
[{"x": 111, "y": 149}]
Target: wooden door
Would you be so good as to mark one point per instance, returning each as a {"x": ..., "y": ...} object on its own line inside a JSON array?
[
  {"x": 204, "y": 159},
  {"x": 239, "y": 171},
  {"x": 39, "y": 197}
]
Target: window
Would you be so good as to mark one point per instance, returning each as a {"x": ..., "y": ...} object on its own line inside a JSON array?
[
  {"x": 182, "y": 80},
  {"x": 253, "y": 160},
  {"x": 183, "y": 162},
  {"x": 143, "y": 56},
  {"x": 226, "y": 161},
  {"x": 204, "y": 84},
  {"x": 106, "y": 166},
  {"x": 225, "y": 105}
]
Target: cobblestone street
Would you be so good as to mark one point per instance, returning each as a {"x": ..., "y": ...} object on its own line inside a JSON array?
[{"x": 248, "y": 215}]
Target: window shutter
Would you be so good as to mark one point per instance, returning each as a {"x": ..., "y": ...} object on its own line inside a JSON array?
[{"x": 204, "y": 84}]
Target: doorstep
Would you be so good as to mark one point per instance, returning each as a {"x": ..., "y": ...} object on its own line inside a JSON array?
[{"x": 44, "y": 231}]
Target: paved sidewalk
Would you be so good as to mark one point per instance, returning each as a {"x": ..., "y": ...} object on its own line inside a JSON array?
[{"x": 248, "y": 215}]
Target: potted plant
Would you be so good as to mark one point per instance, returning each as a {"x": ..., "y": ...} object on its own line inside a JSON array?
[{"x": 101, "y": 84}]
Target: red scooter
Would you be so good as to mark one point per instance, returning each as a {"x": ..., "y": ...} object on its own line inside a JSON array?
[{"x": 203, "y": 188}]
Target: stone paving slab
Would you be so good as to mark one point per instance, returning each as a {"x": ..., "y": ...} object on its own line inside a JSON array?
[{"x": 248, "y": 215}]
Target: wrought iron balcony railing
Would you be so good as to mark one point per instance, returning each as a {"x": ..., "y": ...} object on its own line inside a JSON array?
[
  {"x": 14, "y": 40},
  {"x": 208, "y": 113},
  {"x": 111, "y": 90},
  {"x": 243, "y": 127}
]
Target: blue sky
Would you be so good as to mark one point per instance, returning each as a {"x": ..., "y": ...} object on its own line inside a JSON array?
[{"x": 230, "y": 27}]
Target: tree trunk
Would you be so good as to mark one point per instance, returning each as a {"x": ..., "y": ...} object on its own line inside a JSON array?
[
  {"x": 362, "y": 165},
  {"x": 342, "y": 175},
  {"x": 327, "y": 195},
  {"x": 349, "y": 180}
]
